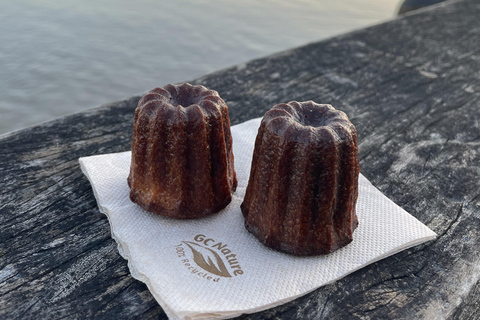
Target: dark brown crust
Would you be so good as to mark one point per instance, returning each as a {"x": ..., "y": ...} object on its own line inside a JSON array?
[
  {"x": 182, "y": 156},
  {"x": 303, "y": 184}
]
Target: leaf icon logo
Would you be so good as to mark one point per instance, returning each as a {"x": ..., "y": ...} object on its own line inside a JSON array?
[{"x": 207, "y": 259}]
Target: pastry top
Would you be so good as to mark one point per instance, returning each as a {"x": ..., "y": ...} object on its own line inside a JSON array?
[
  {"x": 180, "y": 98},
  {"x": 298, "y": 121}
]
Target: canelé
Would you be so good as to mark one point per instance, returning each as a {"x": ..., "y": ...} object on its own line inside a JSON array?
[
  {"x": 303, "y": 184},
  {"x": 182, "y": 157}
]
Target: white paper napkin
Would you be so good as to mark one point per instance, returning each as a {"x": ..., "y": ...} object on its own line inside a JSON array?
[{"x": 212, "y": 268}]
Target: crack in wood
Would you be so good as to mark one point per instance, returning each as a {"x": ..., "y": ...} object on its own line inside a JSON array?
[{"x": 450, "y": 224}]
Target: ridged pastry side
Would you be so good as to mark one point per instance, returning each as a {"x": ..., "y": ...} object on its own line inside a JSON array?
[
  {"x": 303, "y": 183},
  {"x": 182, "y": 156}
]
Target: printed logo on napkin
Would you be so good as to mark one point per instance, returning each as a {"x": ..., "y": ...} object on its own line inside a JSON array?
[{"x": 209, "y": 259}]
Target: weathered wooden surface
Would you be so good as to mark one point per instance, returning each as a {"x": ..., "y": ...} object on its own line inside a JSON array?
[{"x": 412, "y": 88}]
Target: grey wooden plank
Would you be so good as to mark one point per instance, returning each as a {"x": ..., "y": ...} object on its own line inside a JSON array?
[{"x": 412, "y": 88}]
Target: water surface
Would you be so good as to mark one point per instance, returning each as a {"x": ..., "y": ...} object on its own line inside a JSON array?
[{"x": 59, "y": 57}]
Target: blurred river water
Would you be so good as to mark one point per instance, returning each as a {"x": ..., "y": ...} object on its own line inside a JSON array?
[{"x": 59, "y": 57}]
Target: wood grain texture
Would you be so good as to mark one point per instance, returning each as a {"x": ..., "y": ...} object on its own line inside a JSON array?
[{"x": 412, "y": 88}]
